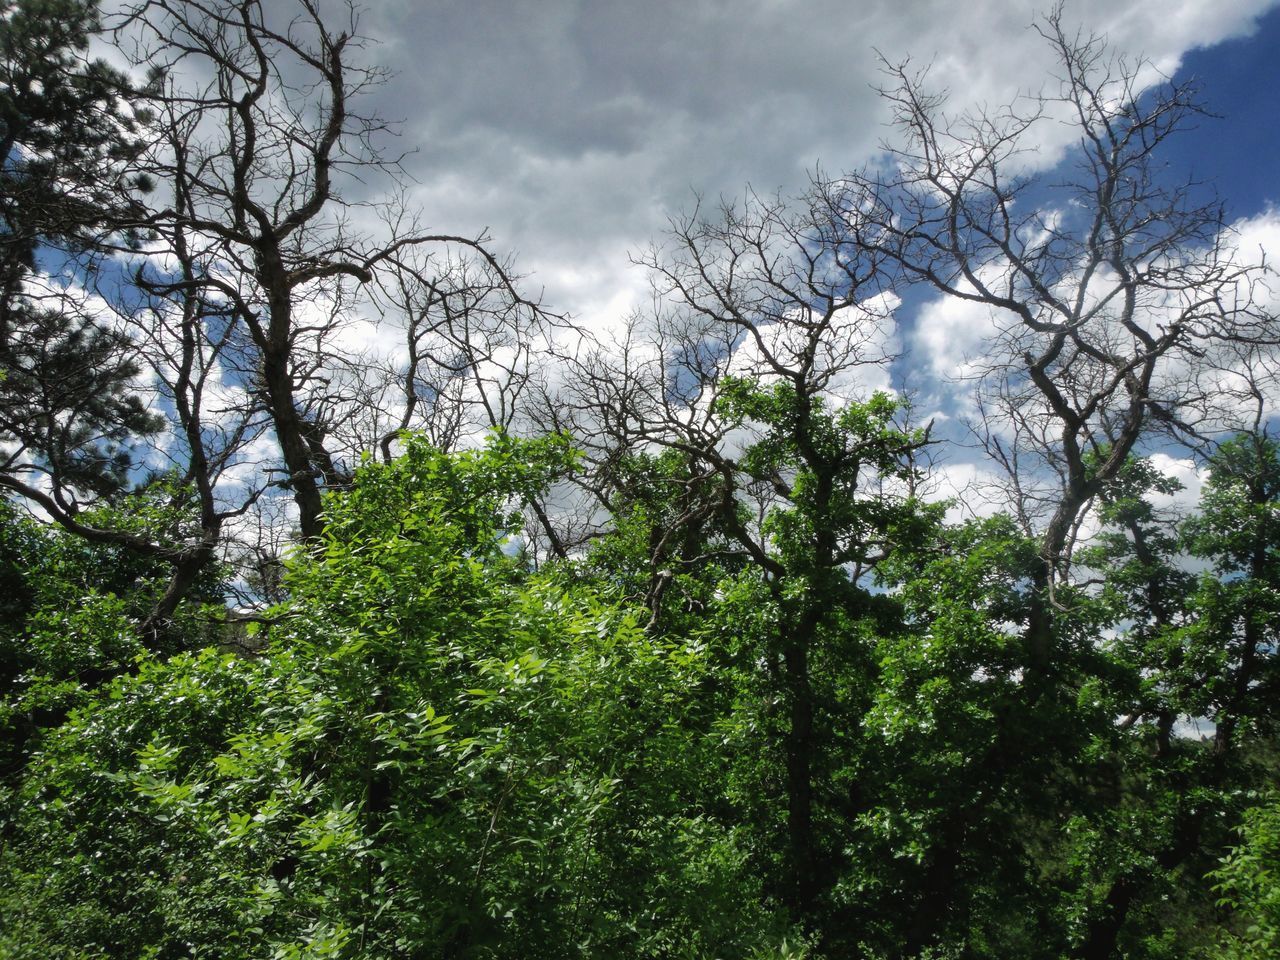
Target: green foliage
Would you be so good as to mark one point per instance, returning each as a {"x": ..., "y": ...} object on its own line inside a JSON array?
[
  {"x": 778, "y": 708},
  {"x": 68, "y": 128},
  {"x": 1158, "y": 806},
  {"x": 434, "y": 753},
  {"x": 1248, "y": 884},
  {"x": 70, "y": 620},
  {"x": 435, "y": 750}
]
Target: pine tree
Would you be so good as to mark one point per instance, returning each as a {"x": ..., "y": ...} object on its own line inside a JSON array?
[{"x": 69, "y": 125}]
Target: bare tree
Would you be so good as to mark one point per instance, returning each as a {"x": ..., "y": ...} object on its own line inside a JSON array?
[
  {"x": 199, "y": 357},
  {"x": 472, "y": 350},
  {"x": 265, "y": 100},
  {"x": 1102, "y": 287},
  {"x": 249, "y": 282},
  {"x": 1105, "y": 285}
]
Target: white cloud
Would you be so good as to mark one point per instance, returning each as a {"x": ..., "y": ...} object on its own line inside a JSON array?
[
  {"x": 1188, "y": 473},
  {"x": 950, "y": 335},
  {"x": 573, "y": 130},
  {"x": 976, "y": 491}
]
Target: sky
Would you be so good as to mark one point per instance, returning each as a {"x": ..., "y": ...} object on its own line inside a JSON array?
[
  {"x": 1238, "y": 149},
  {"x": 573, "y": 129},
  {"x": 570, "y": 131}
]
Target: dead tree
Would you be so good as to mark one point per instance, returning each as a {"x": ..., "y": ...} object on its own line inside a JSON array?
[
  {"x": 1102, "y": 282},
  {"x": 268, "y": 102},
  {"x": 472, "y": 350},
  {"x": 1105, "y": 284}
]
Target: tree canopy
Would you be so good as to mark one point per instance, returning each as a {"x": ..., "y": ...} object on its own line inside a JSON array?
[{"x": 526, "y": 640}]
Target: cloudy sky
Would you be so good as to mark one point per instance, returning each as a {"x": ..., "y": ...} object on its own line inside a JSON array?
[{"x": 573, "y": 128}]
